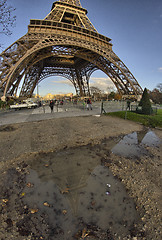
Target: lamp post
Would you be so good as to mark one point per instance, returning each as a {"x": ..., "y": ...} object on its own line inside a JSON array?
[{"x": 38, "y": 91}]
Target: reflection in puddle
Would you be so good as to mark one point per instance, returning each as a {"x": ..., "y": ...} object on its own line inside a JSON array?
[
  {"x": 133, "y": 145},
  {"x": 71, "y": 187},
  {"x": 150, "y": 139}
]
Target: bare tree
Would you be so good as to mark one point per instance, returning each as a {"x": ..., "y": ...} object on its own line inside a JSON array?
[
  {"x": 95, "y": 90},
  {"x": 110, "y": 89},
  {"x": 156, "y": 94},
  {"x": 159, "y": 87},
  {"x": 7, "y": 19}
]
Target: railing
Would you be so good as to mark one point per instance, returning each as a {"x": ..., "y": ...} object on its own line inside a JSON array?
[
  {"x": 68, "y": 27},
  {"x": 138, "y": 109},
  {"x": 113, "y": 106}
]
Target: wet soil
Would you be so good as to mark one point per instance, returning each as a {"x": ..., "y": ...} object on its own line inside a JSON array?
[{"x": 82, "y": 186}]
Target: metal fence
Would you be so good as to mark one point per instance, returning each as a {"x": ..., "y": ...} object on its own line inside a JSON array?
[{"x": 113, "y": 106}]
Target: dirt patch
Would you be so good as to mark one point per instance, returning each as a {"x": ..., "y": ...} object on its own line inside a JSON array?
[{"x": 59, "y": 133}]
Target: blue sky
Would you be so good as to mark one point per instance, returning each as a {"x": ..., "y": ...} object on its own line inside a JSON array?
[{"x": 135, "y": 27}]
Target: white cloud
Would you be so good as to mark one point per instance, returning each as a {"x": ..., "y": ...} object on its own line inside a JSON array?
[
  {"x": 62, "y": 81},
  {"x": 102, "y": 83},
  {"x": 160, "y": 69}
]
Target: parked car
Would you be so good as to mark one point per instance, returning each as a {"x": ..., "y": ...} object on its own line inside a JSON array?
[{"x": 23, "y": 105}]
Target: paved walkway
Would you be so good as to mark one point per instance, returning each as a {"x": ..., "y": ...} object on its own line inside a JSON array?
[
  {"x": 38, "y": 114},
  {"x": 67, "y": 110}
]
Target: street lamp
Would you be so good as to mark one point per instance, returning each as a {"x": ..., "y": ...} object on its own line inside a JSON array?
[{"x": 38, "y": 90}]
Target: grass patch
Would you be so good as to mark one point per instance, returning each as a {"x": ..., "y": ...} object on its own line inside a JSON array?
[{"x": 146, "y": 120}]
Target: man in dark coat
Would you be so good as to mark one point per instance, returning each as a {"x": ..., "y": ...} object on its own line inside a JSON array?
[
  {"x": 89, "y": 104},
  {"x": 51, "y": 105}
]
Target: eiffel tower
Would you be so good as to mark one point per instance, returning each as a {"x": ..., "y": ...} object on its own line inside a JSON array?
[{"x": 64, "y": 43}]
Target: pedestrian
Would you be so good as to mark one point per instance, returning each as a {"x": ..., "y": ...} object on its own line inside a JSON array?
[
  {"x": 89, "y": 104},
  {"x": 128, "y": 105},
  {"x": 43, "y": 105},
  {"x": 57, "y": 104},
  {"x": 51, "y": 105},
  {"x": 84, "y": 103}
]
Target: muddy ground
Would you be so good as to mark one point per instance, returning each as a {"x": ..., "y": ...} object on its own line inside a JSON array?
[{"x": 23, "y": 143}]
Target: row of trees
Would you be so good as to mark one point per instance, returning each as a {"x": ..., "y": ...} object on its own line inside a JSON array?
[
  {"x": 155, "y": 95},
  {"x": 111, "y": 95}
]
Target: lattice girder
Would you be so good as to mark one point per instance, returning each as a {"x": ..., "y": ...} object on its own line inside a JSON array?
[
  {"x": 13, "y": 53},
  {"x": 30, "y": 78},
  {"x": 68, "y": 12},
  {"x": 50, "y": 67},
  {"x": 73, "y": 2},
  {"x": 116, "y": 65},
  {"x": 32, "y": 38}
]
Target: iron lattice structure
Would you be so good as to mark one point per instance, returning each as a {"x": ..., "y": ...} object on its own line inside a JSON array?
[{"x": 64, "y": 43}]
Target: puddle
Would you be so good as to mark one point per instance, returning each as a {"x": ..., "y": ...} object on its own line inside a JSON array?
[
  {"x": 134, "y": 144},
  {"x": 74, "y": 190},
  {"x": 7, "y": 129},
  {"x": 150, "y": 139},
  {"x": 70, "y": 194}
]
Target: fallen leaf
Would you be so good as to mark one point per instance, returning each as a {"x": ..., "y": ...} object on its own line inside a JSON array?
[
  {"x": 46, "y": 204},
  {"x": 107, "y": 164},
  {"x": 33, "y": 211},
  {"x": 23, "y": 194},
  {"x": 4, "y": 200},
  {"x": 46, "y": 165},
  {"x": 93, "y": 203},
  {"x": 66, "y": 190},
  {"x": 29, "y": 185},
  {"x": 84, "y": 234},
  {"x": 64, "y": 211}
]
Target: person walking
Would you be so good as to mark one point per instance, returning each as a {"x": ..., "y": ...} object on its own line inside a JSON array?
[
  {"x": 89, "y": 104},
  {"x": 51, "y": 105},
  {"x": 128, "y": 105}
]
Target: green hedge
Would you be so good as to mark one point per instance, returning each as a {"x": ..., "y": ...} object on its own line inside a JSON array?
[{"x": 2, "y": 104}]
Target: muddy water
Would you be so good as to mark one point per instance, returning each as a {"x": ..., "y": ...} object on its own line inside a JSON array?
[{"x": 72, "y": 187}]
